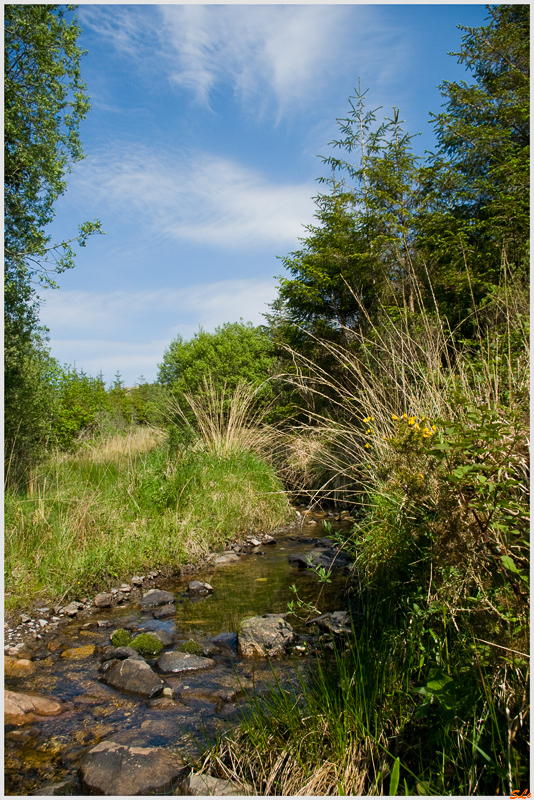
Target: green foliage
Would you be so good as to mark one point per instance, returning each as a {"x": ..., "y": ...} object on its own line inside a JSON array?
[
  {"x": 235, "y": 353},
  {"x": 121, "y": 638},
  {"x": 81, "y": 400},
  {"x": 146, "y": 644},
  {"x": 44, "y": 103}
]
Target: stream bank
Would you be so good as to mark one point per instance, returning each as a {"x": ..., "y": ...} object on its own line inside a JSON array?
[{"x": 65, "y": 664}]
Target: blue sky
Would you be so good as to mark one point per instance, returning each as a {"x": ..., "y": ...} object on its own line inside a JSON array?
[{"x": 201, "y": 156}]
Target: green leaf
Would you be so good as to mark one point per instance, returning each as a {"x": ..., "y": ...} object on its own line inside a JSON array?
[
  {"x": 509, "y": 564},
  {"x": 394, "y": 780}
]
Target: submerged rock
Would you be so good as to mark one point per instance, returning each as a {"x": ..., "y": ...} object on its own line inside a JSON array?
[
  {"x": 20, "y": 708},
  {"x": 168, "y": 610},
  {"x": 199, "y": 587},
  {"x": 79, "y": 652},
  {"x": 135, "y": 676},
  {"x": 156, "y": 597},
  {"x": 338, "y": 622},
  {"x": 268, "y": 635},
  {"x": 18, "y": 667},
  {"x": 113, "y": 769},
  {"x": 183, "y": 662},
  {"x": 329, "y": 559}
]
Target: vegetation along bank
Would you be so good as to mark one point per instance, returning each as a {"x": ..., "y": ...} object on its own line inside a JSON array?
[{"x": 391, "y": 378}]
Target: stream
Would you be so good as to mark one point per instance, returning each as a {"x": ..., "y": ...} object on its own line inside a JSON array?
[{"x": 204, "y": 704}]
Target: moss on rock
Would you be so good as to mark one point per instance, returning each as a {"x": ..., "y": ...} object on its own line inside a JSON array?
[
  {"x": 190, "y": 647},
  {"x": 121, "y": 638},
  {"x": 147, "y": 644}
]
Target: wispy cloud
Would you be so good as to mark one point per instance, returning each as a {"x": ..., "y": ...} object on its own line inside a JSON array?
[
  {"x": 195, "y": 197},
  {"x": 134, "y": 327},
  {"x": 269, "y": 55}
]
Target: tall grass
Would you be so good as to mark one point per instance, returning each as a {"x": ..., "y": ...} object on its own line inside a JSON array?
[{"x": 130, "y": 503}]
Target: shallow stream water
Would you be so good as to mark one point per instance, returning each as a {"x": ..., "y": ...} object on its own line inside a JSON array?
[{"x": 206, "y": 703}]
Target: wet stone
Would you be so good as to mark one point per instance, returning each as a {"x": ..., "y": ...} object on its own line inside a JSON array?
[
  {"x": 72, "y": 609},
  {"x": 135, "y": 676},
  {"x": 268, "y": 635},
  {"x": 68, "y": 786},
  {"x": 120, "y": 653},
  {"x": 79, "y": 652},
  {"x": 183, "y": 662},
  {"x": 103, "y": 600},
  {"x": 199, "y": 587},
  {"x": 18, "y": 667},
  {"x": 227, "y": 558},
  {"x": 168, "y": 610},
  {"x": 113, "y": 769},
  {"x": 156, "y": 597}
]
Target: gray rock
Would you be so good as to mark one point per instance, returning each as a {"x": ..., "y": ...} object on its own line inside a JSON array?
[
  {"x": 103, "y": 600},
  {"x": 206, "y": 786},
  {"x": 120, "y": 653},
  {"x": 338, "y": 622},
  {"x": 137, "y": 580},
  {"x": 199, "y": 587},
  {"x": 135, "y": 676},
  {"x": 156, "y": 597},
  {"x": 163, "y": 612},
  {"x": 268, "y": 635},
  {"x": 118, "y": 770},
  {"x": 227, "y": 558},
  {"x": 267, "y": 539},
  {"x": 183, "y": 662},
  {"x": 73, "y": 608},
  {"x": 164, "y": 637},
  {"x": 329, "y": 559}
]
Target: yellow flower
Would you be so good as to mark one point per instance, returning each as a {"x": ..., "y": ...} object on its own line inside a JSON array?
[
  {"x": 427, "y": 432},
  {"x": 368, "y": 430},
  {"x": 368, "y": 445},
  {"x": 394, "y": 416},
  {"x": 405, "y": 416},
  {"x": 367, "y": 419},
  {"x": 411, "y": 421},
  {"x": 421, "y": 476},
  {"x": 433, "y": 427}
]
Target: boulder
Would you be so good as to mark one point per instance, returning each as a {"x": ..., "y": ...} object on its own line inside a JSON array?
[
  {"x": 119, "y": 770},
  {"x": 135, "y": 676},
  {"x": 156, "y": 597},
  {"x": 183, "y": 662},
  {"x": 268, "y": 635},
  {"x": 21, "y": 708},
  {"x": 165, "y": 637},
  {"x": 199, "y": 587},
  {"x": 227, "y": 558}
]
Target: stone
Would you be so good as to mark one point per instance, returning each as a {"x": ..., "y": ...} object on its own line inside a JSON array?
[
  {"x": 165, "y": 637},
  {"x": 199, "y": 587},
  {"x": 73, "y": 608},
  {"x": 43, "y": 611},
  {"x": 20, "y": 708},
  {"x": 18, "y": 667},
  {"x": 227, "y": 558},
  {"x": 24, "y": 618},
  {"x": 66, "y": 787},
  {"x": 268, "y": 635},
  {"x": 329, "y": 559},
  {"x": 103, "y": 600},
  {"x": 137, "y": 580},
  {"x": 168, "y": 610},
  {"x": 79, "y": 652},
  {"x": 119, "y": 770},
  {"x": 253, "y": 541},
  {"x": 337, "y": 622},
  {"x": 267, "y": 539},
  {"x": 183, "y": 662},
  {"x": 135, "y": 676},
  {"x": 120, "y": 653},
  {"x": 147, "y": 644},
  {"x": 125, "y": 588},
  {"x": 207, "y": 786},
  {"x": 156, "y": 597}
]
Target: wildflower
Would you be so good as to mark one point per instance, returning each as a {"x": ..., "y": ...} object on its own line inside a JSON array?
[
  {"x": 394, "y": 416},
  {"x": 367, "y": 444},
  {"x": 427, "y": 433},
  {"x": 421, "y": 476},
  {"x": 367, "y": 419},
  {"x": 411, "y": 421},
  {"x": 368, "y": 430},
  {"x": 433, "y": 427},
  {"x": 405, "y": 416}
]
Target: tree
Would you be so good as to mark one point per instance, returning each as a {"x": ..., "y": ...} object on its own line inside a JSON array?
[
  {"x": 233, "y": 353},
  {"x": 45, "y": 101},
  {"x": 477, "y": 181}
]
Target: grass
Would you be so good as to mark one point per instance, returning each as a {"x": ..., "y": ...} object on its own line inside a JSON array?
[
  {"x": 367, "y": 720},
  {"x": 129, "y": 504}
]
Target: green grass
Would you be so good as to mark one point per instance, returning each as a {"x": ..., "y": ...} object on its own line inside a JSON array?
[
  {"x": 373, "y": 719},
  {"x": 109, "y": 513}
]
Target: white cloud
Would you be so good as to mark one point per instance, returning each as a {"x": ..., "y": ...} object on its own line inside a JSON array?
[
  {"x": 135, "y": 327},
  {"x": 199, "y": 198}
]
